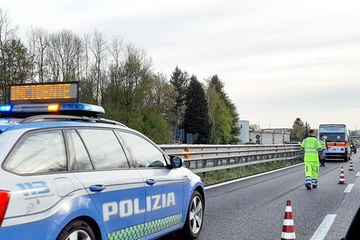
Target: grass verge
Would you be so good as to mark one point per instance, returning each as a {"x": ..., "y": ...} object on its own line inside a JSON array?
[{"x": 213, "y": 177}]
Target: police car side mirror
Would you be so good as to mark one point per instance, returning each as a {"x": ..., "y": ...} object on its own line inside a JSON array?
[{"x": 176, "y": 162}]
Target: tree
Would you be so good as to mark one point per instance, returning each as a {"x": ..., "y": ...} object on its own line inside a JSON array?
[
  {"x": 220, "y": 117},
  {"x": 235, "y": 130},
  {"x": 18, "y": 65},
  {"x": 307, "y": 127},
  {"x": 158, "y": 102},
  {"x": 64, "y": 51},
  {"x": 38, "y": 44},
  {"x": 196, "y": 118},
  {"x": 180, "y": 80},
  {"x": 299, "y": 130},
  {"x": 7, "y": 34},
  {"x": 98, "y": 48},
  {"x": 125, "y": 95},
  {"x": 254, "y": 126}
]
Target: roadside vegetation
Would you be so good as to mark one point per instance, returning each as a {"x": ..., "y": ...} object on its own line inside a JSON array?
[
  {"x": 120, "y": 77},
  {"x": 215, "y": 177}
]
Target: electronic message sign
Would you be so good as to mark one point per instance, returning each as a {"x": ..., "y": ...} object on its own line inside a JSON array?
[{"x": 57, "y": 92}]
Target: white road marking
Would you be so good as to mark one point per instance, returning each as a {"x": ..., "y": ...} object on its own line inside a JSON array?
[
  {"x": 348, "y": 188},
  {"x": 358, "y": 174},
  {"x": 324, "y": 227}
]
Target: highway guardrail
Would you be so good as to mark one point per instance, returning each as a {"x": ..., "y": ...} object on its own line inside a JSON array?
[{"x": 206, "y": 157}]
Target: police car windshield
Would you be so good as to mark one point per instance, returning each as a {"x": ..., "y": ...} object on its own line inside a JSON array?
[{"x": 334, "y": 137}]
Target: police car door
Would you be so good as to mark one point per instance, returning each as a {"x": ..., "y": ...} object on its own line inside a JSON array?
[
  {"x": 164, "y": 186},
  {"x": 117, "y": 191},
  {"x": 37, "y": 174}
]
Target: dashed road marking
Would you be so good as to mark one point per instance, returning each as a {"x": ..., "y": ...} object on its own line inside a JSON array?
[
  {"x": 348, "y": 188},
  {"x": 324, "y": 227}
]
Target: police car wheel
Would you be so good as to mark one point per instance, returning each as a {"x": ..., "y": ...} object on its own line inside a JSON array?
[
  {"x": 194, "y": 218},
  {"x": 77, "y": 230}
]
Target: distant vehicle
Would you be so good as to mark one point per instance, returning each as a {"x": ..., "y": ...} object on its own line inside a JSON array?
[
  {"x": 353, "y": 146},
  {"x": 337, "y": 140},
  {"x": 68, "y": 174}
]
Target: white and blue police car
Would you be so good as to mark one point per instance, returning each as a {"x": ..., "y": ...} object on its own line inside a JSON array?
[{"x": 67, "y": 174}]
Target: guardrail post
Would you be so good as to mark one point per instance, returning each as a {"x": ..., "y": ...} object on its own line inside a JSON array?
[
  {"x": 187, "y": 164},
  {"x": 187, "y": 152},
  {"x": 203, "y": 163}
]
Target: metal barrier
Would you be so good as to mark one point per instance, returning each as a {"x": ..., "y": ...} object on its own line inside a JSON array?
[{"x": 204, "y": 158}]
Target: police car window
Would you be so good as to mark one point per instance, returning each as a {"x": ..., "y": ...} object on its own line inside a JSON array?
[
  {"x": 82, "y": 159},
  {"x": 104, "y": 149},
  {"x": 38, "y": 152},
  {"x": 145, "y": 154}
]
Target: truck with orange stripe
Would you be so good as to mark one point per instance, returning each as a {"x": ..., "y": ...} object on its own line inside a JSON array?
[{"x": 337, "y": 141}]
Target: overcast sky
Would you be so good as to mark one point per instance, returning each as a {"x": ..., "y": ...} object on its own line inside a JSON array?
[{"x": 279, "y": 60}]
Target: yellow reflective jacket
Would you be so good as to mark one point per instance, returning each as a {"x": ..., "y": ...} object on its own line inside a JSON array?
[
  {"x": 311, "y": 146},
  {"x": 323, "y": 144}
]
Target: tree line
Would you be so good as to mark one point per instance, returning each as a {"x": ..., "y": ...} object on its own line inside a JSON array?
[{"x": 120, "y": 77}]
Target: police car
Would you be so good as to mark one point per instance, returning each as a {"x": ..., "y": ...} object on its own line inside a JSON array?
[{"x": 67, "y": 174}]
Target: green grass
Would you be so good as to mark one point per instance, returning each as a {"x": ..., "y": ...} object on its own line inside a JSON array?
[{"x": 210, "y": 178}]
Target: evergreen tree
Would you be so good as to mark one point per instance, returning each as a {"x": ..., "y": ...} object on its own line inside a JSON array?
[
  {"x": 15, "y": 66},
  {"x": 196, "y": 119},
  {"x": 235, "y": 130},
  {"x": 180, "y": 81},
  {"x": 299, "y": 130}
]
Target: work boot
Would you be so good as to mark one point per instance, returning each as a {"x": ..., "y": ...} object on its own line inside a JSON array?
[
  {"x": 308, "y": 185},
  {"x": 314, "y": 183}
]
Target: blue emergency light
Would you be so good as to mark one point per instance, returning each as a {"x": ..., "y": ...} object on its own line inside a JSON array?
[
  {"x": 5, "y": 108},
  {"x": 82, "y": 107}
]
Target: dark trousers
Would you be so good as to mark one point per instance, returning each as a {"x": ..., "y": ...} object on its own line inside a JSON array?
[{"x": 322, "y": 157}]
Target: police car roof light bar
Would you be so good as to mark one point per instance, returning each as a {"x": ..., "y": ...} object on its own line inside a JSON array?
[{"x": 26, "y": 110}]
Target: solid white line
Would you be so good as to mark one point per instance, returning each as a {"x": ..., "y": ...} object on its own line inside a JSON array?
[
  {"x": 324, "y": 227},
  {"x": 245, "y": 178},
  {"x": 348, "y": 188}
]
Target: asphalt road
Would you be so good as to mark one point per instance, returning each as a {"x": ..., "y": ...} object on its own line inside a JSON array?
[{"x": 254, "y": 208}]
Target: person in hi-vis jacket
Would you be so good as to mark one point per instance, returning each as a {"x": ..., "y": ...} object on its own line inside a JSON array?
[
  {"x": 311, "y": 147},
  {"x": 322, "y": 154}
]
